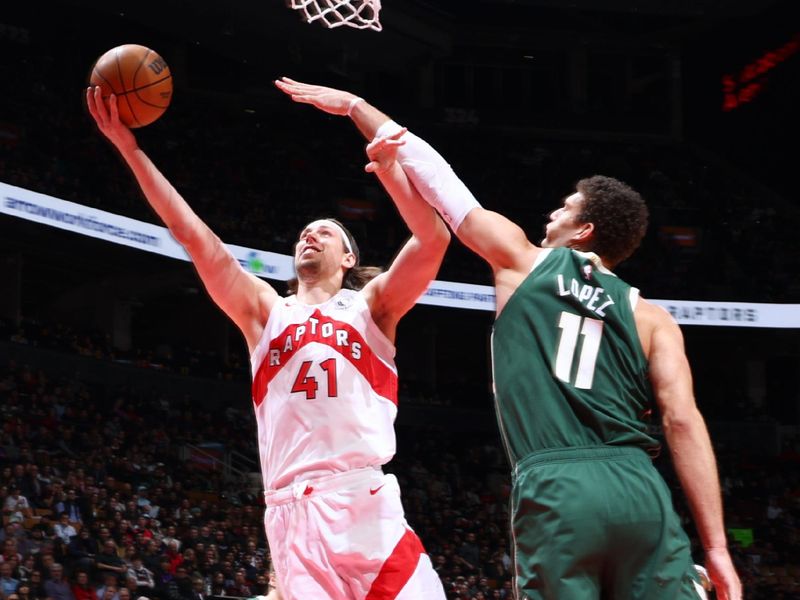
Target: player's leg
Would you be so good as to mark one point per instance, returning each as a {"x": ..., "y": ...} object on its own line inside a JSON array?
[
  {"x": 558, "y": 533},
  {"x": 651, "y": 552},
  {"x": 371, "y": 545},
  {"x": 301, "y": 564}
]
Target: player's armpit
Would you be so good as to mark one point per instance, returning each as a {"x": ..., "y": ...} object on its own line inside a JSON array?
[{"x": 498, "y": 240}]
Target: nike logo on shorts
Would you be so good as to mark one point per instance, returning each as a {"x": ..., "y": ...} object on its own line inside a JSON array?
[{"x": 376, "y": 490}]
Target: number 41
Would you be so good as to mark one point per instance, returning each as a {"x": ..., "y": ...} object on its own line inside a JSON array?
[{"x": 308, "y": 384}]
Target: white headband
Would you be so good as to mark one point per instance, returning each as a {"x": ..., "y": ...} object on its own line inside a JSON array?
[{"x": 332, "y": 225}]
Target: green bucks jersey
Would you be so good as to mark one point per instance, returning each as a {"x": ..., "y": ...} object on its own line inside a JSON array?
[{"x": 569, "y": 369}]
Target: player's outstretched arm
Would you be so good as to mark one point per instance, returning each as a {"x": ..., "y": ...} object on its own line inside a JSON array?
[
  {"x": 394, "y": 292},
  {"x": 498, "y": 240},
  {"x": 335, "y": 102},
  {"x": 689, "y": 444},
  {"x": 242, "y": 296}
]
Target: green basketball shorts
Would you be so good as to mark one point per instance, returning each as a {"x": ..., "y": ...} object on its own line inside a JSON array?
[{"x": 597, "y": 522}]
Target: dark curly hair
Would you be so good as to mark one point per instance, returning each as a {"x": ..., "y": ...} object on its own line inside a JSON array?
[
  {"x": 619, "y": 215},
  {"x": 357, "y": 276}
]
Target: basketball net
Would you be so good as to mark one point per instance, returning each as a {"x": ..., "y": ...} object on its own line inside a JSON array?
[{"x": 361, "y": 14}]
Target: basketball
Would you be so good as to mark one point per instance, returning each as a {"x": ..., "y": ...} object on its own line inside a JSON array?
[{"x": 140, "y": 79}]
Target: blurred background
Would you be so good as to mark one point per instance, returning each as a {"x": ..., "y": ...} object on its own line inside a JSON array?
[{"x": 122, "y": 382}]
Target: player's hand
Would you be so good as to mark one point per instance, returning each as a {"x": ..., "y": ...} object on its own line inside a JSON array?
[
  {"x": 382, "y": 152},
  {"x": 106, "y": 115},
  {"x": 330, "y": 100},
  {"x": 723, "y": 575}
]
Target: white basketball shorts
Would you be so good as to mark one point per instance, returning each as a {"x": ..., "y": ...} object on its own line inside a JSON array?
[{"x": 345, "y": 537}]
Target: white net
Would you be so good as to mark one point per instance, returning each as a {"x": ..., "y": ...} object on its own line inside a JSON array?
[{"x": 361, "y": 14}]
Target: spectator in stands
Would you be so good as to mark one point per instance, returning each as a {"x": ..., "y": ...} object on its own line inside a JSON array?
[
  {"x": 122, "y": 532},
  {"x": 131, "y": 586},
  {"x": 108, "y": 592},
  {"x": 8, "y": 584},
  {"x": 31, "y": 486},
  {"x": 26, "y": 567},
  {"x": 143, "y": 527},
  {"x": 37, "y": 539},
  {"x": 145, "y": 582},
  {"x": 190, "y": 539},
  {"x": 11, "y": 544},
  {"x": 17, "y": 476},
  {"x": 82, "y": 589},
  {"x": 498, "y": 568},
  {"x": 46, "y": 560},
  {"x": 24, "y": 592},
  {"x": 82, "y": 550},
  {"x": 108, "y": 561},
  {"x": 198, "y": 591},
  {"x": 188, "y": 560},
  {"x": 260, "y": 586},
  {"x": 469, "y": 552},
  {"x": 239, "y": 586},
  {"x": 150, "y": 555},
  {"x": 56, "y": 586},
  {"x": 16, "y": 507},
  {"x": 63, "y": 529},
  {"x": 71, "y": 504},
  {"x": 205, "y": 534},
  {"x": 217, "y": 584},
  {"x": 174, "y": 558},
  {"x": 93, "y": 508},
  {"x": 180, "y": 588},
  {"x": 109, "y": 587},
  {"x": 5, "y": 477},
  {"x": 37, "y": 584}
]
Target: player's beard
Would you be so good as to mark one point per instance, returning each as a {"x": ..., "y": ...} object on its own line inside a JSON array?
[{"x": 308, "y": 268}]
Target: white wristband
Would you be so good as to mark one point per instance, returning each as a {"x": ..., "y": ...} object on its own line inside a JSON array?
[{"x": 352, "y": 105}]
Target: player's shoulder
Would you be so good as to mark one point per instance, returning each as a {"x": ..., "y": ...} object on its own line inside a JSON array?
[
  {"x": 653, "y": 316},
  {"x": 653, "y": 323},
  {"x": 656, "y": 310}
]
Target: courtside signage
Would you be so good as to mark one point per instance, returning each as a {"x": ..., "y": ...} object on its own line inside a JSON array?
[{"x": 84, "y": 220}]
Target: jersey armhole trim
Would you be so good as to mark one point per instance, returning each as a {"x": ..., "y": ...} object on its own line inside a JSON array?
[
  {"x": 544, "y": 253},
  {"x": 633, "y": 296}
]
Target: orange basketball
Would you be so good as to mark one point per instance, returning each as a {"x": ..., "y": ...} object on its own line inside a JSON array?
[{"x": 141, "y": 80}]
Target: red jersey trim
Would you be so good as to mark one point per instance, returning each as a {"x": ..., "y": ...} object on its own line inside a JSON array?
[{"x": 397, "y": 569}]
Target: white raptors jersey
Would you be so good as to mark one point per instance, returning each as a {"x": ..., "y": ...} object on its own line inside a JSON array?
[{"x": 324, "y": 390}]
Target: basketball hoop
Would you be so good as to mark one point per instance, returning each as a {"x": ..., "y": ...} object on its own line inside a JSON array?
[{"x": 361, "y": 14}]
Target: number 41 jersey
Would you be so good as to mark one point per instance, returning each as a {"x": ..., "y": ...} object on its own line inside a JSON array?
[
  {"x": 568, "y": 366},
  {"x": 324, "y": 390}
]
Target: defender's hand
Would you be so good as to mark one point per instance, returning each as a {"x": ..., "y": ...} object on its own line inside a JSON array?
[{"x": 329, "y": 100}]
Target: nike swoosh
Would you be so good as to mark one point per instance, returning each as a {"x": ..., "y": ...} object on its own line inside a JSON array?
[{"x": 376, "y": 490}]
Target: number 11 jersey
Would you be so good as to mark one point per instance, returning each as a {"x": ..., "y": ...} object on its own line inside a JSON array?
[
  {"x": 324, "y": 390},
  {"x": 568, "y": 366}
]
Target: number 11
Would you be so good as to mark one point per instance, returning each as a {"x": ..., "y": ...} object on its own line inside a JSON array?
[{"x": 591, "y": 331}]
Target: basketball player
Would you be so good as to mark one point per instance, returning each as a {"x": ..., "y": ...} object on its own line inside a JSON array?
[
  {"x": 578, "y": 358},
  {"x": 324, "y": 385}
]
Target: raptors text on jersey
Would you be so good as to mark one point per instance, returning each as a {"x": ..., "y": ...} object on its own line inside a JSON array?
[{"x": 324, "y": 390}]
